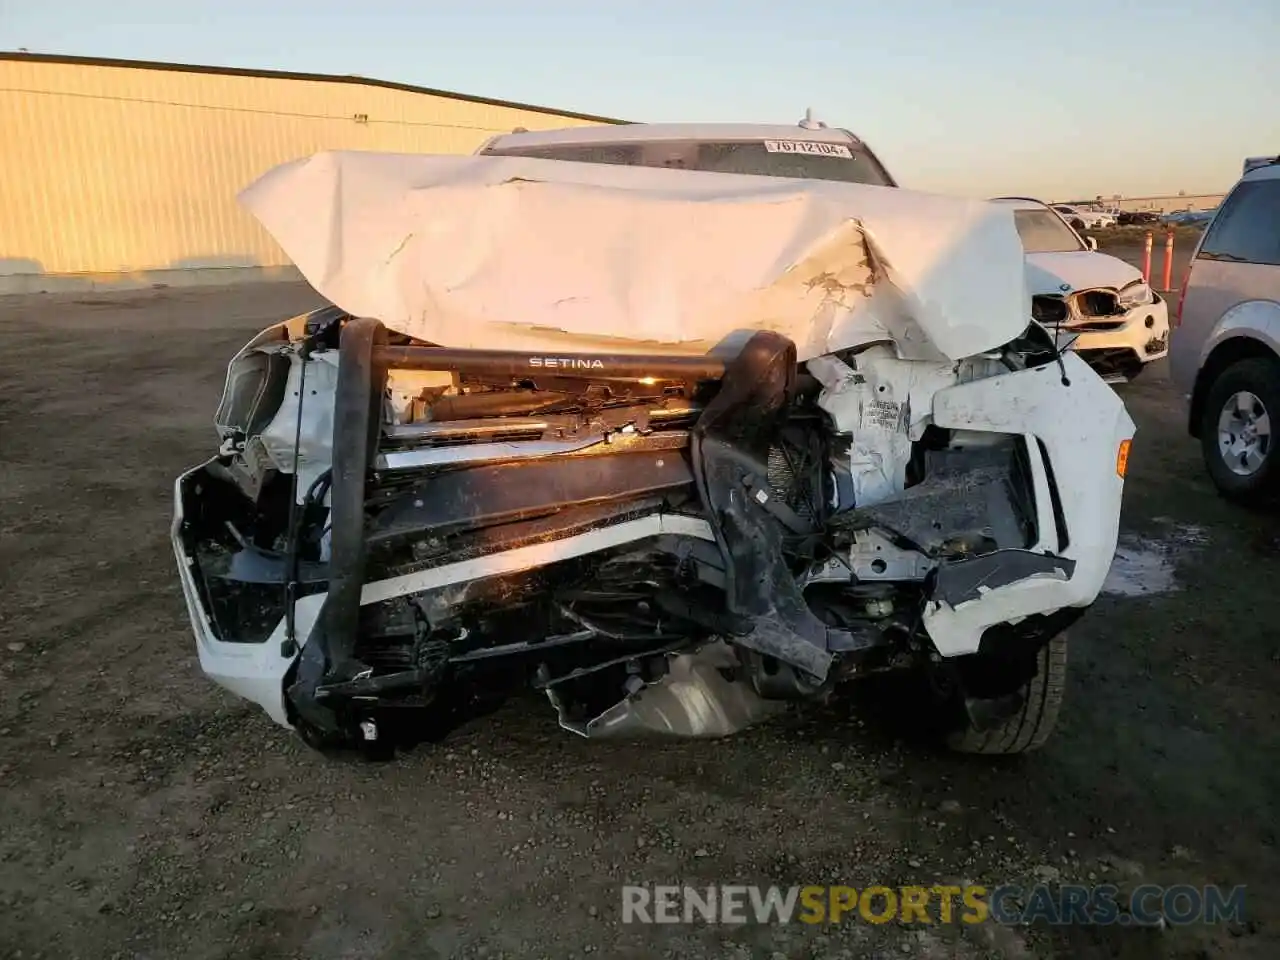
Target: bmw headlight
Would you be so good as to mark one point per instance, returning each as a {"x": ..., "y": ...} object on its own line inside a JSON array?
[{"x": 1136, "y": 294}]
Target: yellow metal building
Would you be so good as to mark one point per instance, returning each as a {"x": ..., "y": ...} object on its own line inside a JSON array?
[{"x": 124, "y": 173}]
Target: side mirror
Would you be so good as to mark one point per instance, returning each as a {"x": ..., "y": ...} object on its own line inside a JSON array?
[{"x": 1092, "y": 242}]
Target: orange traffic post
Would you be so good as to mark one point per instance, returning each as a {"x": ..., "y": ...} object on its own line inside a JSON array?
[
  {"x": 1168, "y": 259},
  {"x": 1146, "y": 258}
]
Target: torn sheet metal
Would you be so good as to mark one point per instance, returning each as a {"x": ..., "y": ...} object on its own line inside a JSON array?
[
  {"x": 1090, "y": 499},
  {"x": 883, "y": 404},
  {"x": 528, "y": 254},
  {"x": 308, "y": 436}
]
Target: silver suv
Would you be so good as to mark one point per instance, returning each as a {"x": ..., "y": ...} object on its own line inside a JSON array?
[{"x": 1225, "y": 350}]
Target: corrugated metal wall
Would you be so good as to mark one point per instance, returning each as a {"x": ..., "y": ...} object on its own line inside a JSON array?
[{"x": 125, "y": 170}]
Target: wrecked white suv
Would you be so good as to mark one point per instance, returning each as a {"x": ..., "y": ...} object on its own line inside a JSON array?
[{"x": 675, "y": 448}]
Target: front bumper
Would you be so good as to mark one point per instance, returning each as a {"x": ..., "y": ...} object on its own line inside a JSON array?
[
  {"x": 1078, "y": 487},
  {"x": 1077, "y": 495},
  {"x": 253, "y": 671},
  {"x": 1119, "y": 354}
]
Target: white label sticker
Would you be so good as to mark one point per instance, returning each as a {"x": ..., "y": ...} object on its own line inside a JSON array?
[
  {"x": 885, "y": 414},
  {"x": 813, "y": 147}
]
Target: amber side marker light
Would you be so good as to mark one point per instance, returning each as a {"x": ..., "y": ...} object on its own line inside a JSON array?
[{"x": 1122, "y": 458}]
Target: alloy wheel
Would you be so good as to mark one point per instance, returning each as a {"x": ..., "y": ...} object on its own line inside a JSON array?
[{"x": 1244, "y": 433}]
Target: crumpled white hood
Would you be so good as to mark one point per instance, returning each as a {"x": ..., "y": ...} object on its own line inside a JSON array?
[{"x": 523, "y": 254}]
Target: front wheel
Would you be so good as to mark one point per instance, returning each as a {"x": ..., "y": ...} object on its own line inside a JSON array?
[
  {"x": 1023, "y": 721},
  {"x": 1236, "y": 434}
]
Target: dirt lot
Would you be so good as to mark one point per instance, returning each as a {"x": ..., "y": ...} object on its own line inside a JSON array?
[{"x": 146, "y": 814}]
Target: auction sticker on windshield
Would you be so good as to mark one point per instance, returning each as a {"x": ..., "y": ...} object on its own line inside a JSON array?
[{"x": 814, "y": 147}]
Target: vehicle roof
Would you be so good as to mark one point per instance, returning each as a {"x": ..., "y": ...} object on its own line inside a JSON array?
[
  {"x": 1265, "y": 171},
  {"x": 644, "y": 132},
  {"x": 1025, "y": 203}
]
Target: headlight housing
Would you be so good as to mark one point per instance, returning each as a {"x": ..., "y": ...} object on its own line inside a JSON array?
[
  {"x": 1049, "y": 311},
  {"x": 1136, "y": 294}
]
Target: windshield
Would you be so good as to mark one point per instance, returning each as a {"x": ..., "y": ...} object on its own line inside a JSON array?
[
  {"x": 806, "y": 160},
  {"x": 1043, "y": 232}
]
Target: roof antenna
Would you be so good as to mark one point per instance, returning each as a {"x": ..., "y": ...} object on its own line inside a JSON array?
[{"x": 808, "y": 123}]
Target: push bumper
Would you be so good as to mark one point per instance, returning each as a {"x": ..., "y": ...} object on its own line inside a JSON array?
[{"x": 1077, "y": 491}]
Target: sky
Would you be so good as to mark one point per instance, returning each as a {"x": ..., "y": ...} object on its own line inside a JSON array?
[{"x": 1057, "y": 100}]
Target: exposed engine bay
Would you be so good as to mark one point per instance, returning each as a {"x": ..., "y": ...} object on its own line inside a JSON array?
[{"x": 669, "y": 543}]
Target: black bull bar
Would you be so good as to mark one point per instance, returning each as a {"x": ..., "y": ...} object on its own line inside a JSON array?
[{"x": 730, "y": 440}]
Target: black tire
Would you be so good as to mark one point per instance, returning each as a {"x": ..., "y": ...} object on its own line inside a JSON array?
[
  {"x": 1259, "y": 376},
  {"x": 1031, "y": 724},
  {"x": 1077, "y": 224}
]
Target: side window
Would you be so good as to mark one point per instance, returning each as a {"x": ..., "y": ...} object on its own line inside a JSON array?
[{"x": 1247, "y": 228}]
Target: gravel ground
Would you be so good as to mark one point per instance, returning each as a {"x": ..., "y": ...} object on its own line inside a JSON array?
[{"x": 144, "y": 813}]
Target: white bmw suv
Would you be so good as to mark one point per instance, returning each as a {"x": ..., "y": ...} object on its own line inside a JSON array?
[{"x": 1119, "y": 324}]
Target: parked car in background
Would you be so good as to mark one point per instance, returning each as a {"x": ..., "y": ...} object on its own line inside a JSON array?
[
  {"x": 1128, "y": 218},
  {"x": 1083, "y": 218},
  {"x": 1226, "y": 351},
  {"x": 1188, "y": 218},
  {"x": 1118, "y": 322}
]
